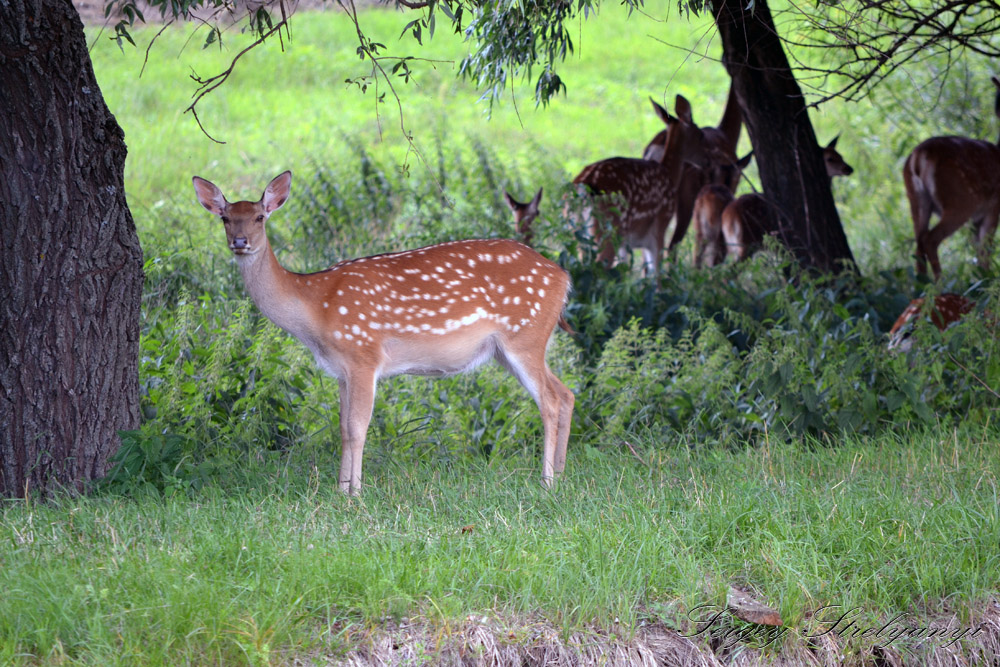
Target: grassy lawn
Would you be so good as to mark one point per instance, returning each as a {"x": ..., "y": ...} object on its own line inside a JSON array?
[
  {"x": 693, "y": 466},
  {"x": 283, "y": 565}
]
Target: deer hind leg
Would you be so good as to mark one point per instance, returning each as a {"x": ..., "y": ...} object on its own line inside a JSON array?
[
  {"x": 920, "y": 214},
  {"x": 929, "y": 241},
  {"x": 699, "y": 241},
  {"x": 566, "y": 400},
  {"x": 733, "y": 235},
  {"x": 986, "y": 228},
  {"x": 357, "y": 398},
  {"x": 551, "y": 397},
  {"x": 713, "y": 247}
]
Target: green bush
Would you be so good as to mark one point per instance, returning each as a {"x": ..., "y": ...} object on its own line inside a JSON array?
[{"x": 790, "y": 360}]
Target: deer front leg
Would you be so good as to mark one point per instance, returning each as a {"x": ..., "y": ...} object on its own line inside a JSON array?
[{"x": 357, "y": 397}]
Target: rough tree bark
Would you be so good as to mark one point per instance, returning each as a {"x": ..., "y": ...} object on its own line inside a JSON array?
[
  {"x": 789, "y": 159},
  {"x": 70, "y": 262}
]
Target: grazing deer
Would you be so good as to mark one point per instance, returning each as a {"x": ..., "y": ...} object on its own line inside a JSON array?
[
  {"x": 720, "y": 144},
  {"x": 747, "y": 220},
  {"x": 947, "y": 309},
  {"x": 437, "y": 310},
  {"x": 959, "y": 179},
  {"x": 524, "y": 215},
  {"x": 646, "y": 190}
]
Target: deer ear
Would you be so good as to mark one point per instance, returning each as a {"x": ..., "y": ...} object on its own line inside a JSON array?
[
  {"x": 536, "y": 201},
  {"x": 276, "y": 192},
  {"x": 683, "y": 109},
  {"x": 209, "y": 195},
  {"x": 661, "y": 112},
  {"x": 833, "y": 142},
  {"x": 512, "y": 203}
]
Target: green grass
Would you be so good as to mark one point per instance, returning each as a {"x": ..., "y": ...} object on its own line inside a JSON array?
[{"x": 288, "y": 566}]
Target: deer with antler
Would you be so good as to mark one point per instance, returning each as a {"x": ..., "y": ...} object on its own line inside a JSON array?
[
  {"x": 639, "y": 197},
  {"x": 438, "y": 310},
  {"x": 959, "y": 179}
]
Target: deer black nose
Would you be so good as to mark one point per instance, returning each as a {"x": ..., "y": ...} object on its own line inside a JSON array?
[{"x": 240, "y": 243}]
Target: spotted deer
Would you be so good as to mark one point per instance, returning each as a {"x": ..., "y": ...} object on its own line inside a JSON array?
[
  {"x": 720, "y": 145},
  {"x": 946, "y": 310},
  {"x": 524, "y": 215},
  {"x": 959, "y": 179},
  {"x": 746, "y": 220},
  {"x": 639, "y": 197},
  {"x": 438, "y": 310}
]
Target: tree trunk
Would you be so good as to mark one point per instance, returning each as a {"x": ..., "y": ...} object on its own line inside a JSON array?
[
  {"x": 788, "y": 157},
  {"x": 70, "y": 264}
]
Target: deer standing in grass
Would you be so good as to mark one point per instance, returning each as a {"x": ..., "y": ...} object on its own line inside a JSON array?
[
  {"x": 959, "y": 179},
  {"x": 646, "y": 190},
  {"x": 720, "y": 146},
  {"x": 437, "y": 310},
  {"x": 746, "y": 220}
]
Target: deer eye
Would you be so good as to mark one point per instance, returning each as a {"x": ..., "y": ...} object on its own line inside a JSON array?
[
  {"x": 225, "y": 220},
  {"x": 260, "y": 218}
]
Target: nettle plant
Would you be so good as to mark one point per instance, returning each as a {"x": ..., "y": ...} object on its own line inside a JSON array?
[{"x": 792, "y": 360}]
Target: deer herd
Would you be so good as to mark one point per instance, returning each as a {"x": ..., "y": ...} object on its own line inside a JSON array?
[{"x": 451, "y": 307}]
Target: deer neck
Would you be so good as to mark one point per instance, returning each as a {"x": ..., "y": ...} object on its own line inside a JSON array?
[
  {"x": 732, "y": 120},
  {"x": 673, "y": 156},
  {"x": 274, "y": 290}
]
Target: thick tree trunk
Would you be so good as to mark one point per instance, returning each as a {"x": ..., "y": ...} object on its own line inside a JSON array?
[
  {"x": 788, "y": 157},
  {"x": 70, "y": 263}
]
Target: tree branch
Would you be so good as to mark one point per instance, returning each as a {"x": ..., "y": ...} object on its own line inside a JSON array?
[{"x": 206, "y": 86}]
